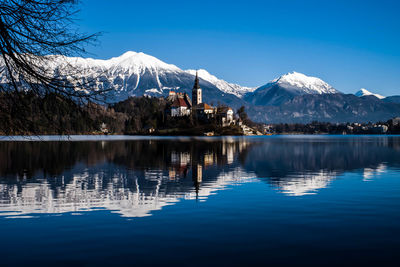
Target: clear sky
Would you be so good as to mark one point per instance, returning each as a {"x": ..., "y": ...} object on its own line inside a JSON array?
[{"x": 349, "y": 44}]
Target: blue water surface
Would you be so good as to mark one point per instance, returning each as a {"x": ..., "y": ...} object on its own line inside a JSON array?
[{"x": 291, "y": 200}]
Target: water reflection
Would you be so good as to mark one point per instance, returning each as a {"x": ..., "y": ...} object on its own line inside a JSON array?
[
  {"x": 129, "y": 178},
  {"x": 135, "y": 178},
  {"x": 300, "y": 166}
]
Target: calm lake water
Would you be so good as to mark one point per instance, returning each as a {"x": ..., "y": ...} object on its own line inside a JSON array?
[{"x": 290, "y": 200}]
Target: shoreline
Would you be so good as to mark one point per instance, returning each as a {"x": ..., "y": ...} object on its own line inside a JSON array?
[{"x": 80, "y": 138}]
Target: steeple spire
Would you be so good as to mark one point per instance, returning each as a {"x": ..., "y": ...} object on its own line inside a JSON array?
[
  {"x": 196, "y": 92},
  {"x": 196, "y": 82}
]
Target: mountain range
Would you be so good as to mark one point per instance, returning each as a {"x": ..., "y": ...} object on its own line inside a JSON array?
[
  {"x": 138, "y": 74},
  {"x": 293, "y": 97}
]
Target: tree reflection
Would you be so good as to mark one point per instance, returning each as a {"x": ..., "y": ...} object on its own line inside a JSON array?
[{"x": 135, "y": 178}]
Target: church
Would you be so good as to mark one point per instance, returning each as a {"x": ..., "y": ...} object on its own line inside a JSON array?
[
  {"x": 182, "y": 106},
  {"x": 200, "y": 108}
]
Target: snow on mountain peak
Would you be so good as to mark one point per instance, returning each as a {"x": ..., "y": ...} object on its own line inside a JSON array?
[
  {"x": 229, "y": 88},
  {"x": 136, "y": 73},
  {"x": 305, "y": 84},
  {"x": 136, "y": 60},
  {"x": 364, "y": 92}
]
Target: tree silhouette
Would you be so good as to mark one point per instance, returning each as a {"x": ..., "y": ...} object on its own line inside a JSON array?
[{"x": 33, "y": 33}]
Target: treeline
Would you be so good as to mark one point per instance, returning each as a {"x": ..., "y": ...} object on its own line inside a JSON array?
[
  {"x": 141, "y": 114},
  {"x": 24, "y": 113},
  {"x": 388, "y": 127},
  {"x": 27, "y": 114}
]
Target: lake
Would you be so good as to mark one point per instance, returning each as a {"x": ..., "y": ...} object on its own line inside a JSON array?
[{"x": 237, "y": 201}]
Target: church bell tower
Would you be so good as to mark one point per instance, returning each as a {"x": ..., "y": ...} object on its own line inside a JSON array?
[{"x": 196, "y": 92}]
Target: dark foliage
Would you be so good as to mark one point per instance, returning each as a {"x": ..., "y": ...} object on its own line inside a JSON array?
[
  {"x": 30, "y": 32},
  {"x": 144, "y": 113},
  {"x": 55, "y": 114}
]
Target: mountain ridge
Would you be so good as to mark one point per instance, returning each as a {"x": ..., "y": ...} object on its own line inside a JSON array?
[
  {"x": 334, "y": 108},
  {"x": 293, "y": 96},
  {"x": 286, "y": 87}
]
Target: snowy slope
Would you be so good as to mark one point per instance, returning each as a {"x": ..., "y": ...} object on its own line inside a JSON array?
[
  {"x": 288, "y": 86},
  {"x": 303, "y": 84},
  {"x": 222, "y": 85},
  {"x": 130, "y": 74},
  {"x": 364, "y": 92},
  {"x": 137, "y": 74},
  {"x": 131, "y": 62}
]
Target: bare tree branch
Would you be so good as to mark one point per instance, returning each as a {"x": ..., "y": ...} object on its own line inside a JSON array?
[{"x": 33, "y": 35}]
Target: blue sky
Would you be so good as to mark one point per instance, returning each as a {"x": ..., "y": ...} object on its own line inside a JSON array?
[{"x": 349, "y": 44}]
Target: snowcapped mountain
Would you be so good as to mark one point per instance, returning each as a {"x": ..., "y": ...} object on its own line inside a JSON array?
[
  {"x": 229, "y": 88},
  {"x": 293, "y": 97},
  {"x": 302, "y": 84},
  {"x": 131, "y": 74},
  {"x": 129, "y": 62},
  {"x": 137, "y": 74},
  {"x": 364, "y": 92},
  {"x": 286, "y": 87}
]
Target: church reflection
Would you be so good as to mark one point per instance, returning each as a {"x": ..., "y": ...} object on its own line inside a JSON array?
[
  {"x": 130, "y": 178},
  {"x": 136, "y": 178}
]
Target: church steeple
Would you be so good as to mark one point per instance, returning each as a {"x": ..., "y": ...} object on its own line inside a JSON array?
[
  {"x": 196, "y": 82},
  {"x": 196, "y": 91}
]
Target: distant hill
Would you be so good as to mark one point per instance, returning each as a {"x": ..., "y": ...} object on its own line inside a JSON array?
[
  {"x": 392, "y": 99},
  {"x": 295, "y": 97},
  {"x": 327, "y": 108}
]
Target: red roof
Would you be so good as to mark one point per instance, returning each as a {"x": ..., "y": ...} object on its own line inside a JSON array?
[
  {"x": 204, "y": 106},
  {"x": 179, "y": 102}
]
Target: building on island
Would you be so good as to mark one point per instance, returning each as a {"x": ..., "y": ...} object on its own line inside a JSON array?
[
  {"x": 182, "y": 106},
  {"x": 204, "y": 111},
  {"x": 200, "y": 109},
  {"x": 225, "y": 116}
]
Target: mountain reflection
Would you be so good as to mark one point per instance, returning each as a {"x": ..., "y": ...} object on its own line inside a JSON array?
[
  {"x": 300, "y": 165},
  {"x": 131, "y": 178},
  {"x": 135, "y": 178}
]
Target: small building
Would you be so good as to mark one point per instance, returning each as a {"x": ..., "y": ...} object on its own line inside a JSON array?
[
  {"x": 181, "y": 105},
  {"x": 225, "y": 116},
  {"x": 204, "y": 108},
  {"x": 103, "y": 128},
  {"x": 204, "y": 111}
]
